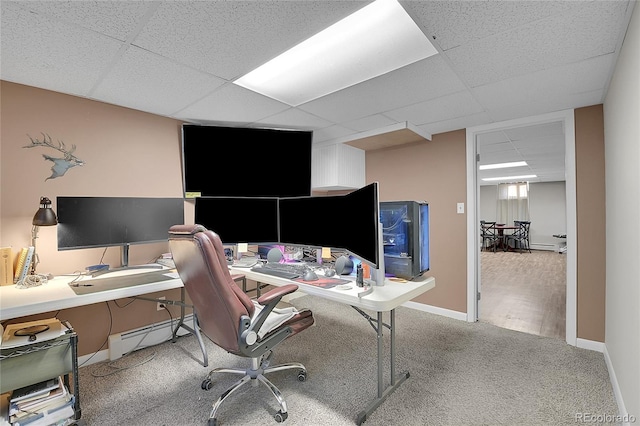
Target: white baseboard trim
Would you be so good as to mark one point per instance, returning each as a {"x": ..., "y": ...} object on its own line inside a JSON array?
[
  {"x": 544, "y": 246},
  {"x": 93, "y": 358},
  {"x": 462, "y": 316},
  {"x": 126, "y": 341},
  {"x": 592, "y": 345},
  {"x": 622, "y": 409}
]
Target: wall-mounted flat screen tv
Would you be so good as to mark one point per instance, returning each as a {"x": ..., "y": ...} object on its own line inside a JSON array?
[{"x": 245, "y": 162}]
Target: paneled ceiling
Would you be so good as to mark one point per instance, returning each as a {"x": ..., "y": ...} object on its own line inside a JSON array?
[{"x": 498, "y": 60}]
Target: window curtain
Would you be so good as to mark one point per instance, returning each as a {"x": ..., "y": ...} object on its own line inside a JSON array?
[{"x": 513, "y": 202}]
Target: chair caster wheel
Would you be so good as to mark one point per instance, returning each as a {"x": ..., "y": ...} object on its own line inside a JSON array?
[
  {"x": 212, "y": 422},
  {"x": 302, "y": 376},
  {"x": 280, "y": 416},
  {"x": 206, "y": 385}
]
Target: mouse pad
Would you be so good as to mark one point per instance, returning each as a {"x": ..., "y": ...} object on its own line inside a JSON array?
[
  {"x": 112, "y": 283},
  {"x": 324, "y": 282}
]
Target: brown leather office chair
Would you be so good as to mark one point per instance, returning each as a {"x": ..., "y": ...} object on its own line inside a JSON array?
[{"x": 226, "y": 314}]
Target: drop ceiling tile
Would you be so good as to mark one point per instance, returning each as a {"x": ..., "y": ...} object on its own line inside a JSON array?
[
  {"x": 532, "y": 150},
  {"x": 550, "y": 84},
  {"x": 231, "y": 103},
  {"x": 328, "y": 134},
  {"x": 444, "y": 108},
  {"x": 117, "y": 19},
  {"x": 456, "y": 123},
  {"x": 371, "y": 122},
  {"x": 585, "y": 32},
  {"x": 230, "y": 38},
  {"x": 293, "y": 118},
  {"x": 455, "y": 23},
  {"x": 145, "y": 81},
  {"x": 541, "y": 144},
  {"x": 492, "y": 138},
  {"x": 544, "y": 130},
  {"x": 508, "y": 112},
  {"x": 426, "y": 79},
  {"x": 52, "y": 55},
  {"x": 485, "y": 147}
]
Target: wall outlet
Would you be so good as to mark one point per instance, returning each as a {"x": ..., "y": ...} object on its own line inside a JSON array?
[{"x": 160, "y": 304}]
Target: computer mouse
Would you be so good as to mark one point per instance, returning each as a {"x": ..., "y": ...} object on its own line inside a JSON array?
[
  {"x": 329, "y": 272},
  {"x": 309, "y": 275}
]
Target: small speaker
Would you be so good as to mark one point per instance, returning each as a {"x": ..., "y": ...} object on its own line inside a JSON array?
[
  {"x": 344, "y": 265},
  {"x": 274, "y": 255}
]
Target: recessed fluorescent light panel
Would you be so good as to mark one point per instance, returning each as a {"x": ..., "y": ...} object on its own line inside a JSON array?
[
  {"x": 511, "y": 178},
  {"x": 503, "y": 165},
  {"x": 379, "y": 38}
]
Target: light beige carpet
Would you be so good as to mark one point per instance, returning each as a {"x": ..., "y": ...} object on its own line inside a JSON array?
[{"x": 461, "y": 374}]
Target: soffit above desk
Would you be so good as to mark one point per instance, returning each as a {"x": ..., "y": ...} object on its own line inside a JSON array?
[{"x": 386, "y": 137}]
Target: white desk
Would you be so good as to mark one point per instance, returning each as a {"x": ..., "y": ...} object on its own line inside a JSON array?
[
  {"x": 383, "y": 299},
  {"x": 57, "y": 294}
]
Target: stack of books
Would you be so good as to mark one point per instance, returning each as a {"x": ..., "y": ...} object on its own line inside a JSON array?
[{"x": 42, "y": 404}]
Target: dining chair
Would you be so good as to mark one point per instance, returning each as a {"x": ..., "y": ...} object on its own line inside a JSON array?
[
  {"x": 230, "y": 319},
  {"x": 520, "y": 237},
  {"x": 489, "y": 235}
]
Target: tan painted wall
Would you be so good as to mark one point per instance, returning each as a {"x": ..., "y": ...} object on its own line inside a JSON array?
[
  {"x": 130, "y": 153},
  {"x": 126, "y": 153},
  {"x": 590, "y": 198},
  {"x": 435, "y": 172}
]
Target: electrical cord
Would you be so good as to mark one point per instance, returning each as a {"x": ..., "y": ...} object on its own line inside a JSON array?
[
  {"x": 116, "y": 369},
  {"x": 102, "y": 257},
  {"x": 32, "y": 281},
  {"x": 106, "y": 340}
]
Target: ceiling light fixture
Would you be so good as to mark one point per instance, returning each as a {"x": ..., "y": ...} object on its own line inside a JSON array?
[
  {"x": 379, "y": 38},
  {"x": 503, "y": 165},
  {"x": 510, "y": 178}
]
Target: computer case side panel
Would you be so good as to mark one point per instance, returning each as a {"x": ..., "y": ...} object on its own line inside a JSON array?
[{"x": 405, "y": 226}]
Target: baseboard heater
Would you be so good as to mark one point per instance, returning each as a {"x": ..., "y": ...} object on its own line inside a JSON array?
[
  {"x": 543, "y": 246},
  {"x": 125, "y": 342}
]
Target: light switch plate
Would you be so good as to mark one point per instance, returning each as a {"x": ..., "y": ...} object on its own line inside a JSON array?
[{"x": 460, "y": 208}]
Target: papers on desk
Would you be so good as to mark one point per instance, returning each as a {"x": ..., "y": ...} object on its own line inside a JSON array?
[{"x": 10, "y": 340}]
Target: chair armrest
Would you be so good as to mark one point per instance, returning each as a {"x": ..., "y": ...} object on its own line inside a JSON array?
[
  {"x": 269, "y": 300},
  {"x": 277, "y": 292},
  {"x": 248, "y": 338}
]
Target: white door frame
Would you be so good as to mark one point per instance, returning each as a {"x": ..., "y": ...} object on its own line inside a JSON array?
[{"x": 473, "y": 216}]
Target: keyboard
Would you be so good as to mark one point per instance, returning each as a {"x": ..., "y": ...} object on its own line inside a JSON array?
[
  {"x": 277, "y": 272},
  {"x": 245, "y": 262}
]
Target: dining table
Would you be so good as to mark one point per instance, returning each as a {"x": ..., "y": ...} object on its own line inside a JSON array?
[{"x": 502, "y": 237}]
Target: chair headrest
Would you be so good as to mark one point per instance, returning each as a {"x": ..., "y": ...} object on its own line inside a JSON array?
[{"x": 186, "y": 229}]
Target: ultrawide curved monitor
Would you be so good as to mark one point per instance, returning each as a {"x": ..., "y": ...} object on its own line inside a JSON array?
[{"x": 350, "y": 222}]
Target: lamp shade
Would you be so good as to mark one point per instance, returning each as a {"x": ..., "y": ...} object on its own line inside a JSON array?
[{"x": 45, "y": 216}]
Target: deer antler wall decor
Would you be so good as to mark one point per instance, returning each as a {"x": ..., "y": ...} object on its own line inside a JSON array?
[{"x": 60, "y": 164}]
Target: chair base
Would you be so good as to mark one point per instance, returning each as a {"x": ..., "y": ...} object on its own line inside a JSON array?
[{"x": 255, "y": 374}]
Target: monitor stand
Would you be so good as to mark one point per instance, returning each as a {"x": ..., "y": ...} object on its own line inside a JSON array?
[{"x": 124, "y": 260}]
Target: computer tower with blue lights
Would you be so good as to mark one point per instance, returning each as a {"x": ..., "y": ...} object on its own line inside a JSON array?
[{"x": 405, "y": 234}]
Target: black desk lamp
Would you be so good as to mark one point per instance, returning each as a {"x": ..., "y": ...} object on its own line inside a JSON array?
[{"x": 45, "y": 216}]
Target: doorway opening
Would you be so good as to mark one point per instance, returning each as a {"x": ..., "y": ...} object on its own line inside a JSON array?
[{"x": 474, "y": 255}]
